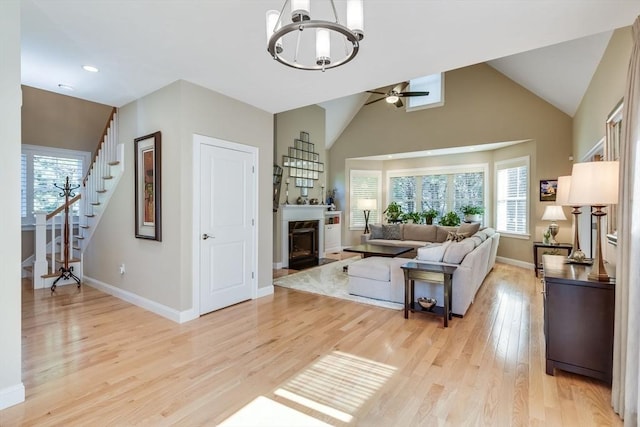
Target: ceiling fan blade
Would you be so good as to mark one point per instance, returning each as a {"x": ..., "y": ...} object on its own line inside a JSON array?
[
  {"x": 376, "y": 100},
  {"x": 398, "y": 103},
  {"x": 399, "y": 87},
  {"x": 413, "y": 93},
  {"x": 373, "y": 91}
]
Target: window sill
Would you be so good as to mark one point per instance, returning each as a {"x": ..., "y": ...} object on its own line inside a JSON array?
[{"x": 524, "y": 236}]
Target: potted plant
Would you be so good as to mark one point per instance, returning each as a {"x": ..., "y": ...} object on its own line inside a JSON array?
[
  {"x": 429, "y": 215},
  {"x": 393, "y": 212},
  {"x": 450, "y": 219},
  {"x": 411, "y": 217},
  {"x": 472, "y": 213}
]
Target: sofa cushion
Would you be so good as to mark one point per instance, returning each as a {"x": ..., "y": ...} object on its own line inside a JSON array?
[
  {"x": 481, "y": 235},
  {"x": 374, "y": 268},
  {"x": 456, "y": 251},
  {"x": 489, "y": 231},
  {"x": 391, "y": 232},
  {"x": 456, "y": 237},
  {"x": 476, "y": 240},
  {"x": 376, "y": 231},
  {"x": 433, "y": 252},
  {"x": 425, "y": 233},
  {"x": 469, "y": 228}
]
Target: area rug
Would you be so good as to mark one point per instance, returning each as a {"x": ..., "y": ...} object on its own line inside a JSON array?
[{"x": 330, "y": 280}]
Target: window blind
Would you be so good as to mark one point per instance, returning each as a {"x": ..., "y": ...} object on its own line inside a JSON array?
[
  {"x": 41, "y": 168},
  {"x": 512, "y": 196},
  {"x": 403, "y": 192}
]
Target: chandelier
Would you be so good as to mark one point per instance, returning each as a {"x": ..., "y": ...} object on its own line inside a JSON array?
[{"x": 291, "y": 42}]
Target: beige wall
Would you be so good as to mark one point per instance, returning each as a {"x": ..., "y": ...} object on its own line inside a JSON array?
[
  {"x": 603, "y": 94},
  {"x": 288, "y": 126},
  {"x": 481, "y": 106},
  {"x": 53, "y": 120},
  {"x": 162, "y": 271},
  {"x": 11, "y": 388}
]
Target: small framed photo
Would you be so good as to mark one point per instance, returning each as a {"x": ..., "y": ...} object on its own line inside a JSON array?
[
  {"x": 548, "y": 189},
  {"x": 147, "y": 187}
]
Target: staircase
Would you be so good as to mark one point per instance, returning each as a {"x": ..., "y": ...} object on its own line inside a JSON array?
[{"x": 92, "y": 199}]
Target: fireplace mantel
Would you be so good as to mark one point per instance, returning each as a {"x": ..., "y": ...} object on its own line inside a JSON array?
[{"x": 300, "y": 213}]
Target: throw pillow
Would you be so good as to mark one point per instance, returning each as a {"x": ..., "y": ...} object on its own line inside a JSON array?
[
  {"x": 391, "y": 232},
  {"x": 470, "y": 228},
  {"x": 456, "y": 237},
  {"x": 433, "y": 252},
  {"x": 376, "y": 231}
]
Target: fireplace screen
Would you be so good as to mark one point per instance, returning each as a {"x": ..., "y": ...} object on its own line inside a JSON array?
[{"x": 303, "y": 244}]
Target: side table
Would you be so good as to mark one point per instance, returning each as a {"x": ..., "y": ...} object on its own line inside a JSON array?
[
  {"x": 432, "y": 273},
  {"x": 556, "y": 248}
]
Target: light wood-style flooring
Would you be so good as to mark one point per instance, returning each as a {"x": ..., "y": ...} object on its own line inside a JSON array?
[{"x": 90, "y": 359}]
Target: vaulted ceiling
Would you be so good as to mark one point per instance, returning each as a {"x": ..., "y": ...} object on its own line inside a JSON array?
[{"x": 143, "y": 45}]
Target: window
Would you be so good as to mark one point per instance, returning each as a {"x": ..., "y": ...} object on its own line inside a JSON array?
[
  {"x": 419, "y": 190},
  {"x": 364, "y": 184},
  {"x": 512, "y": 201},
  {"x": 434, "y": 84},
  {"x": 41, "y": 168}
]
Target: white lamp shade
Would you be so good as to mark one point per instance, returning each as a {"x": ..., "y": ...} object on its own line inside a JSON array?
[
  {"x": 355, "y": 15},
  {"x": 594, "y": 183},
  {"x": 562, "y": 192},
  {"x": 553, "y": 213},
  {"x": 367, "y": 204},
  {"x": 300, "y": 7},
  {"x": 323, "y": 44}
]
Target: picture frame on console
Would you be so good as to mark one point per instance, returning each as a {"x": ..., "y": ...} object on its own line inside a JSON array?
[{"x": 147, "y": 187}]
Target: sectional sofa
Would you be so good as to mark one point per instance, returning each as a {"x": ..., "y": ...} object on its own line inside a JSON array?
[{"x": 474, "y": 255}]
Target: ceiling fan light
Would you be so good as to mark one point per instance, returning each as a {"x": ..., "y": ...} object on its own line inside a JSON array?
[
  {"x": 355, "y": 17},
  {"x": 300, "y": 10},
  {"x": 392, "y": 99}
]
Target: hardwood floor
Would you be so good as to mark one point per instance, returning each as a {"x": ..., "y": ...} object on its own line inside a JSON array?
[{"x": 92, "y": 359}]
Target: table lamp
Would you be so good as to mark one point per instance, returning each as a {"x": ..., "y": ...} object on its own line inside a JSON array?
[
  {"x": 367, "y": 205},
  {"x": 553, "y": 213},
  {"x": 595, "y": 184},
  {"x": 562, "y": 199}
]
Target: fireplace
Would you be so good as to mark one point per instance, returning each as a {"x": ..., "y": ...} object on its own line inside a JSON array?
[
  {"x": 303, "y": 244},
  {"x": 299, "y": 213}
]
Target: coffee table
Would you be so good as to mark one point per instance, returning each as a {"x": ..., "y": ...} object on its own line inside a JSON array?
[{"x": 370, "y": 249}]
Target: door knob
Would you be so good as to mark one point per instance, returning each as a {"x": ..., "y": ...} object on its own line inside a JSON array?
[{"x": 205, "y": 236}]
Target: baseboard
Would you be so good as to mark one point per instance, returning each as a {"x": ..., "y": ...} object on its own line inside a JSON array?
[
  {"x": 264, "y": 291},
  {"x": 277, "y": 265},
  {"x": 517, "y": 263},
  {"x": 147, "y": 304},
  {"x": 10, "y": 396}
]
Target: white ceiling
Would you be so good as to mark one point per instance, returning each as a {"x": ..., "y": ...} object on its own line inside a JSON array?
[{"x": 143, "y": 45}]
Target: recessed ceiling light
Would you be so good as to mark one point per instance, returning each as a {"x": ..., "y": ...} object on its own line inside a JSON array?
[
  {"x": 67, "y": 87},
  {"x": 90, "y": 68}
]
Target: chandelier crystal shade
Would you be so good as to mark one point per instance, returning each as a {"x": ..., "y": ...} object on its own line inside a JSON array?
[{"x": 290, "y": 41}]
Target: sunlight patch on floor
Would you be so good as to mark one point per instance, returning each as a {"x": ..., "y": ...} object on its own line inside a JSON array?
[
  {"x": 337, "y": 384},
  {"x": 265, "y": 412}
]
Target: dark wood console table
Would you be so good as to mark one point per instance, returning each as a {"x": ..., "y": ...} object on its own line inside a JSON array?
[
  {"x": 554, "y": 249},
  {"x": 578, "y": 319}
]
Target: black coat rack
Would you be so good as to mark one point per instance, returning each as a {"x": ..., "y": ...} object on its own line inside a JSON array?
[{"x": 66, "y": 272}]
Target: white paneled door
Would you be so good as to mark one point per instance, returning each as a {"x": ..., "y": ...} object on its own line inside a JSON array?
[{"x": 227, "y": 209}]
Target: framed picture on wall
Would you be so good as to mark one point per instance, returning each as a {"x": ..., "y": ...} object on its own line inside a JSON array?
[
  {"x": 147, "y": 187},
  {"x": 548, "y": 189}
]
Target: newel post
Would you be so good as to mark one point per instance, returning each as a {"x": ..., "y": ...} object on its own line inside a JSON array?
[{"x": 40, "y": 266}]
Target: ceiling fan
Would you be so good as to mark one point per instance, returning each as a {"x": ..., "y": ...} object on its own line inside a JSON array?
[{"x": 394, "y": 95}]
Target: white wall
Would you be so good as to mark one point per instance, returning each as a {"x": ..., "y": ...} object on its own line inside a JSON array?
[
  {"x": 161, "y": 271},
  {"x": 11, "y": 388}
]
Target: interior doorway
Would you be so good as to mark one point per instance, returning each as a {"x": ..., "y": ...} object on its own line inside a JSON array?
[{"x": 224, "y": 223}]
